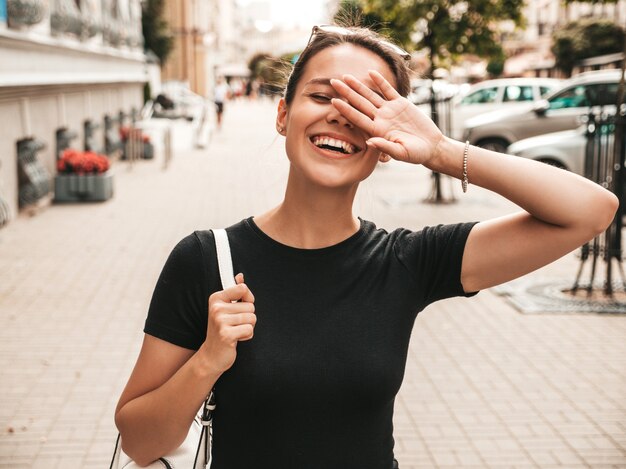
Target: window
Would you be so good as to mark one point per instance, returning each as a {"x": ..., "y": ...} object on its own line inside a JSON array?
[
  {"x": 571, "y": 97},
  {"x": 544, "y": 90},
  {"x": 605, "y": 94},
  {"x": 486, "y": 95},
  {"x": 518, "y": 93}
]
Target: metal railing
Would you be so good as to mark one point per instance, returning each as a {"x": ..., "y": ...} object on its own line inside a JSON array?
[
  {"x": 441, "y": 114},
  {"x": 5, "y": 210},
  {"x": 604, "y": 163}
]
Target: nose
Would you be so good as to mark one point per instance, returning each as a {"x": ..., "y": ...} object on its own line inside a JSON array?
[{"x": 335, "y": 117}]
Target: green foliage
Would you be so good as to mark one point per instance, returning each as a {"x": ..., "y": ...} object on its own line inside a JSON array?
[
  {"x": 495, "y": 66},
  {"x": 567, "y": 2},
  {"x": 447, "y": 28},
  {"x": 351, "y": 13},
  {"x": 586, "y": 38},
  {"x": 270, "y": 70},
  {"x": 157, "y": 37},
  {"x": 290, "y": 57},
  {"x": 257, "y": 63}
]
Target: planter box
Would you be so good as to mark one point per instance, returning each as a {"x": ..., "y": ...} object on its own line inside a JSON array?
[
  {"x": 148, "y": 151},
  {"x": 79, "y": 188}
]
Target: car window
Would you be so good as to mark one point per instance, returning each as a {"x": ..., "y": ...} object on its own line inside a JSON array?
[
  {"x": 518, "y": 93},
  {"x": 544, "y": 90},
  {"x": 485, "y": 95},
  {"x": 576, "y": 96},
  {"x": 605, "y": 94}
]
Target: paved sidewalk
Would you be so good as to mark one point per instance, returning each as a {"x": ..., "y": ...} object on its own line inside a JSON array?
[{"x": 485, "y": 385}]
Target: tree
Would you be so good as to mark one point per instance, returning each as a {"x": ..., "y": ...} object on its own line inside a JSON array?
[
  {"x": 257, "y": 63},
  {"x": 495, "y": 67},
  {"x": 586, "y": 38},
  {"x": 447, "y": 29},
  {"x": 270, "y": 71},
  {"x": 157, "y": 37},
  {"x": 351, "y": 13}
]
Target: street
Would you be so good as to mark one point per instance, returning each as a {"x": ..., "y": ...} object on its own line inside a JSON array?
[{"x": 485, "y": 385}]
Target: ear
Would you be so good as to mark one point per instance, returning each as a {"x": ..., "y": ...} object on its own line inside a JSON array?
[{"x": 281, "y": 117}]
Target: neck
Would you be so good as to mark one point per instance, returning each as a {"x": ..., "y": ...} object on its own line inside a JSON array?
[{"x": 311, "y": 216}]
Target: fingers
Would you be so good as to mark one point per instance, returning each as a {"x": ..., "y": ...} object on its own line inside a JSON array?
[
  {"x": 239, "y": 319},
  {"x": 248, "y": 296},
  {"x": 239, "y": 292},
  {"x": 243, "y": 332},
  {"x": 357, "y": 85},
  {"x": 356, "y": 95},
  {"x": 232, "y": 308},
  {"x": 232, "y": 313},
  {"x": 389, "y": 148},
  {"x": 388, "y": 91},
  {"x": 353, "y": 115}
]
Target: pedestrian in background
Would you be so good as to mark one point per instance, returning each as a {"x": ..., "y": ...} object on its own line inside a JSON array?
[
  {"x": 221, "y": 93},
  {"x": 306, "y": 357}
]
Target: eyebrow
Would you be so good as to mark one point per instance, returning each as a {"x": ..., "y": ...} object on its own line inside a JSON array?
[{"x": 326, "y": 81}]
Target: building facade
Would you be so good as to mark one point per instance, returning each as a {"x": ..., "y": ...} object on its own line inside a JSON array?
[
  {"x": 69, "y": 70},
  {"x": 530, "y": 48},
  {"x": 206, "y": 37}
]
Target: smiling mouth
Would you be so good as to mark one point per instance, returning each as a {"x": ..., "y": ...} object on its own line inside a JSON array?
[{"x": 334, "y": 144}]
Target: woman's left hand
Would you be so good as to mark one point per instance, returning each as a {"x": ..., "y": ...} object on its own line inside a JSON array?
[{"x": 396, "y": 127}]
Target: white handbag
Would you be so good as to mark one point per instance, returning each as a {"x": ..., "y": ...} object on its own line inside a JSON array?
[{"x": 195, "y": 451}]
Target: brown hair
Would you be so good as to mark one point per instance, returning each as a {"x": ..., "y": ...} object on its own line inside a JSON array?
[{"x": 361, "y": 37}]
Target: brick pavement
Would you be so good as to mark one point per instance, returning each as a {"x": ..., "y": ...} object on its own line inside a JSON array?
[{"x": 485, "y": 385}]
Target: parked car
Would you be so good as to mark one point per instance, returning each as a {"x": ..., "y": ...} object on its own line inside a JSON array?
[
  {"x": 420, "y": 90},
  {"x": 565, "y": 149},
  {"x": 491, "y": 95},
  {"x": 560, "y": 111}
]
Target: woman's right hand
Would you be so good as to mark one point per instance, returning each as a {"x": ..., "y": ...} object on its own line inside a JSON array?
[{"x": 231, "y": 319}]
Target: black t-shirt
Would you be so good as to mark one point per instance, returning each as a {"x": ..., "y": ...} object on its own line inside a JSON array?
[{"x": 315, "y": 387}]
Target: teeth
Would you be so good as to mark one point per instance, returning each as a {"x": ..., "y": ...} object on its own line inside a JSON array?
[{"x": 333, "y": 142}]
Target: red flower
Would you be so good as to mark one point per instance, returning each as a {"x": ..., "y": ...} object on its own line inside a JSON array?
[
  {"x": 133, "y": 133},
  {"x": 77, "y": 162}
]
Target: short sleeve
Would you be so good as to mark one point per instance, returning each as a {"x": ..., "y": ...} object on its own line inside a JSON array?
[
  {"x": 178, "y": 309},
  {"x": 433, "y": 256}
]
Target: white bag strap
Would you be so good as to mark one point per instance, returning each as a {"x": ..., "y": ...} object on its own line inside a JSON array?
[{"x": 224, "y": 260}]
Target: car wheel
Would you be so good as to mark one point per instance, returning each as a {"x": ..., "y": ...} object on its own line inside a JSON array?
[
  {"x": 551, "y": 162},
  {"x": 494, "y": 144}
]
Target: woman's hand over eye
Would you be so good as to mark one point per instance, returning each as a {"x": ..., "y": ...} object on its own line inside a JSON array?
[{"x": 395, "y": 126}]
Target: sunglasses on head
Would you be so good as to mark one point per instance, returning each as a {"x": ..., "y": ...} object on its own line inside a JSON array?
[{"x": 332, "y": 29}]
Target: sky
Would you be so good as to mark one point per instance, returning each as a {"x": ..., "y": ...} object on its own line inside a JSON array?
[{"x": 286, "y": 12}]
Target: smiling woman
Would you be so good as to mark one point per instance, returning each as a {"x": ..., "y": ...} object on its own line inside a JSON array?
[{"x": 306, "y": 357}]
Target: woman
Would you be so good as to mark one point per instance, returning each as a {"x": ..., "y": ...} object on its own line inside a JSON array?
[{"x": 311, "y": 383}]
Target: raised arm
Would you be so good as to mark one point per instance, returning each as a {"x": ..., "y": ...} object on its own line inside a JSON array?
[{"x": 561, "y": 210}]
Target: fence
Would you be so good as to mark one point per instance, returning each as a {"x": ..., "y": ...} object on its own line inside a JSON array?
[
  {"x": 604, "y": 164},
  {"x": 441, "y": 114}
]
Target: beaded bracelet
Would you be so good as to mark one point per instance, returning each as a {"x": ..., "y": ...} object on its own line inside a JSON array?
[{"x": 465, "y": 180}]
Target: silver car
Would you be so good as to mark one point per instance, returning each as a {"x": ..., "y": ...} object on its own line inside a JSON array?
[
  {"x": 499, "y": 94},
  {"x": 564, "y": 149},
  {"x": 560, "y": 111}
]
